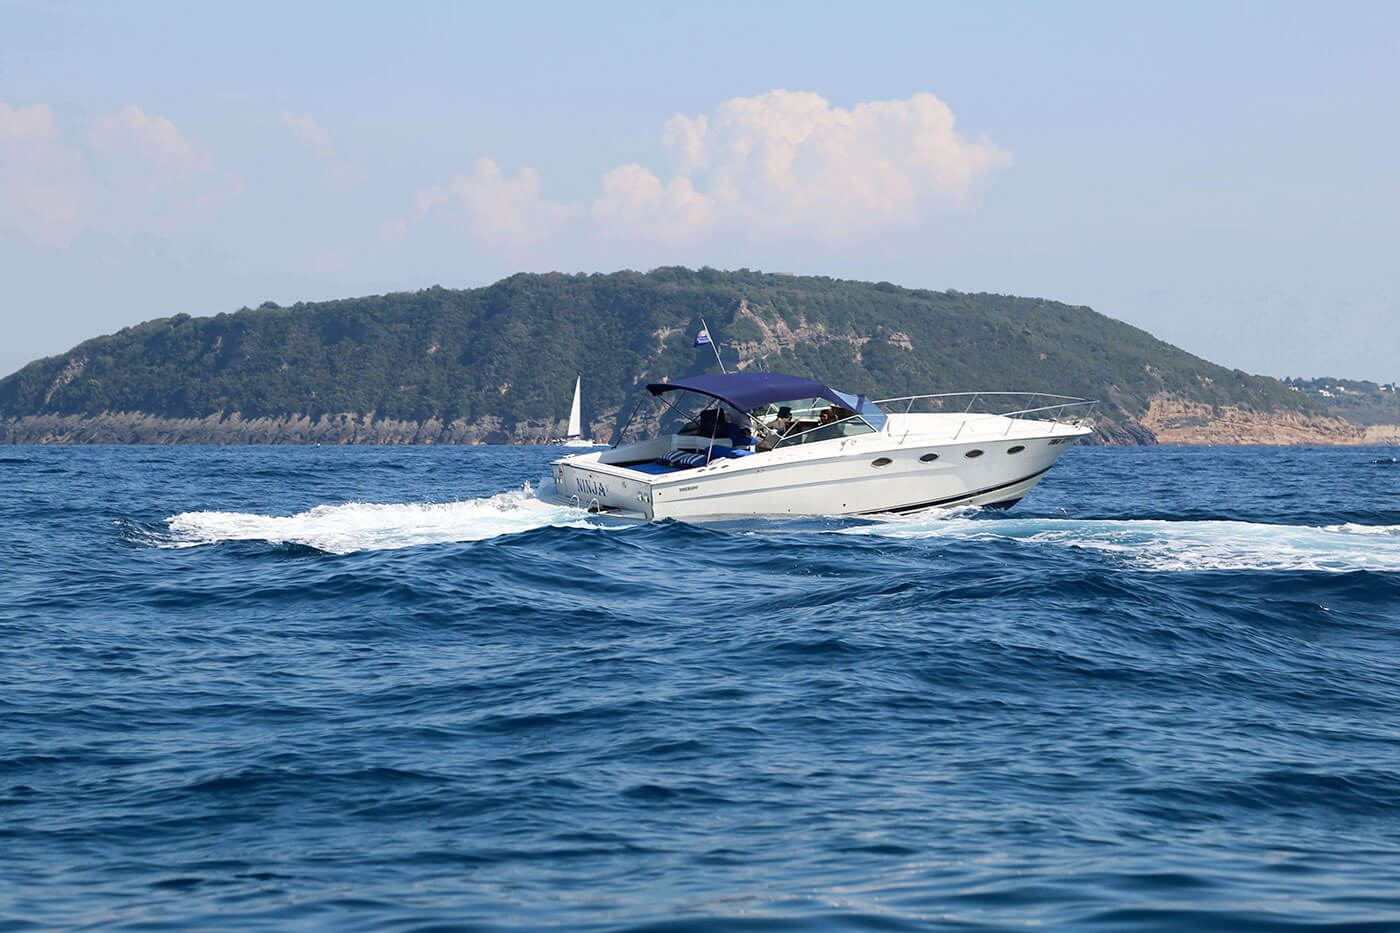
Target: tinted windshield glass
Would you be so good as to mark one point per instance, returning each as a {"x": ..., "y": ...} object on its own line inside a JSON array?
[{"x": 850, "y": 427}]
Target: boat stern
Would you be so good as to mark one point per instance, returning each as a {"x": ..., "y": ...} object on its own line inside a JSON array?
[{"x": 582, "y": 481}]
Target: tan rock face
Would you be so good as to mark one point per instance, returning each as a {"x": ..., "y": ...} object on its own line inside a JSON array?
[
  {"x": 1177, "y": 421},
  {"x": 1381, "y": 435},
  {"x": 776, "y": 335},
  {"x": 70, "y": 372}
]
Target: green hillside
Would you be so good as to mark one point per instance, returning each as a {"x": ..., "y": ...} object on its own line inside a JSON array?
[
  {"x": 510, "y": 350},
  {"x": 1358, "y": 400}
]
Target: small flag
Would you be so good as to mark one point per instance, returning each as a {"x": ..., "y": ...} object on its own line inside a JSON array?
[{"x": 702, "y": 339}]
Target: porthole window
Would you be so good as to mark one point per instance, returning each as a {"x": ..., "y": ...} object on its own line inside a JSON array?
[
  {"x": 972, "y": 453},
  {"x": 928, "y": 458},
  {"x": 1017, "y": 449},
  {"x": 881, "y": 462}
]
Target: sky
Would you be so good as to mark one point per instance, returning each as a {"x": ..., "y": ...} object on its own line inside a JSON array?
[{"x": 1225, "y": 176}]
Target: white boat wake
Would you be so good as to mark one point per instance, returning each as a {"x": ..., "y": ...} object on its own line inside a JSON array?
[
  {"x": 363, "y": 526},
  {"x": 1173, "y": 545},
  {"x": 1152, "y": 545}
]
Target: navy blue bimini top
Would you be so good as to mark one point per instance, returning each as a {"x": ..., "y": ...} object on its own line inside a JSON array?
[{"x": 747, "y": 391}]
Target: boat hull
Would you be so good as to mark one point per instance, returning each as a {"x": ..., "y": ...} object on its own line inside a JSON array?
[{"x": 855, "y": 476}]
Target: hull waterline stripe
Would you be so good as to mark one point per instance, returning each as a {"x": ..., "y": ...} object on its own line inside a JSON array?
[{"x": 960, "y": 496}]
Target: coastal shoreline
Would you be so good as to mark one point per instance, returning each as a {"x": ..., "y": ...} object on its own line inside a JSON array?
[{"x": 1166, "y": 423}]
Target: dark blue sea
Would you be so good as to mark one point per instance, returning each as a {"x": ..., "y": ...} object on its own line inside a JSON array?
[{"x": 361, "y": 689}]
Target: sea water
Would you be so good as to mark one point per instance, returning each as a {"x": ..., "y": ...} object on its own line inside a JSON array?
[{"x": 387, "y": 689}]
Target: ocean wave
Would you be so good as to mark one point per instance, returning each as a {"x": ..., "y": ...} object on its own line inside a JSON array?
[
  {"x": 364, "y": 526},
  {"x": 977, "y": 718},
  {"x": 1157, "y": 545}
]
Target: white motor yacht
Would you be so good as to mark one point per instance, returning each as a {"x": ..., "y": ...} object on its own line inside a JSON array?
[
  {"x": 757, "y": 443},
  {"x": 575, "y": 436}
]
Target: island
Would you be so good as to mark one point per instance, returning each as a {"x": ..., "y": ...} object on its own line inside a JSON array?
[{"x": 497, "y": 364}]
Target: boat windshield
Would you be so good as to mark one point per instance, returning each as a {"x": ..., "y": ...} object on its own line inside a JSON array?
[
  {"x": 707, "y": 406},
  {"x": 804, "y": 421}
]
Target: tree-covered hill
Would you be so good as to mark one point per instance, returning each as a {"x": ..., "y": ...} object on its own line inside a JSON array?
[
  {"x": 508, "y": 353},
  {"x": 1358, "y": 400}
]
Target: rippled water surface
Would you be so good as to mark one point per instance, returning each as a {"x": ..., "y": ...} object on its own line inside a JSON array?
[{"x": 386, "y": 689}]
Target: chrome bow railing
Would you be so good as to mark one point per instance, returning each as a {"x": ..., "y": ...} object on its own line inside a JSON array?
[{"x": 1068, "y": 410}]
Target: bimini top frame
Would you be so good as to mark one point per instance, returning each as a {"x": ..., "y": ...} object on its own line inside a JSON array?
[{"x": 748, "y": 391}]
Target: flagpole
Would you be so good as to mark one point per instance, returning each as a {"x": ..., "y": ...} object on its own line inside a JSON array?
[{"x": 714, "y": 345}]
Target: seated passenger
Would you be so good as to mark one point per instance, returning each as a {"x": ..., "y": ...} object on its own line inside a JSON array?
[
  {"x": 783, "y": 423},
  {"x": 776, "y": 429}
]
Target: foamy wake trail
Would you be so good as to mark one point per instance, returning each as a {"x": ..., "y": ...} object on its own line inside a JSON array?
[
  {"x": 1176, "y": 546},
  {"x": 362, "y": 526}
]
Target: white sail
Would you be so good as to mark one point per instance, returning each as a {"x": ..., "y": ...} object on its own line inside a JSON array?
[{"x": 576, "y": 413}]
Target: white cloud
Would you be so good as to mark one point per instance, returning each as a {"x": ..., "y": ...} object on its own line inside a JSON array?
[
  {"x": 44, "y": 188},
  {"x": 495, "y": 208},
  {"x": 784, "y": 164},
  {"x": 313, "y": 134},
  {"x": 686, "y": 137},
  {"x": 26, "y": 124},
  {"x": 788, "y": 162},
  {"x": 147, "y": 144},
  {"x": 634, "y": 202},
  {"x": 136, "y": 173}
]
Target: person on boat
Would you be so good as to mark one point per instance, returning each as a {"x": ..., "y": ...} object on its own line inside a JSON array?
[{"x": 775, "y": 430}]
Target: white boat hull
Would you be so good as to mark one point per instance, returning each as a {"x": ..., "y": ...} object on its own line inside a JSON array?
[{"x": 916, "y": 462}]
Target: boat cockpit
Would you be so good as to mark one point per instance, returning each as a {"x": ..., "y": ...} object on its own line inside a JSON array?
[{"x": 734, "y": 415}]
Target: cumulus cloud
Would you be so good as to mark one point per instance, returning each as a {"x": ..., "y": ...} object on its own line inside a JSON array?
[
  {"x": 313, "y": 134},
  {"x": 44, "y": 186},
  {"x": 788, "y": 161},
  {"x": 495, "y": 208},
  {"x": 781, "y": 164},
  {"x": 134, "y": 172},
  {"x": 634, "y": 202},
  {"x": 147, "y": 143},
  {"x": 26, "y": 124}
]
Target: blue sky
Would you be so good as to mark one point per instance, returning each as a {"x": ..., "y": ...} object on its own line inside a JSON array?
[{"x": 1224, "y": 176}]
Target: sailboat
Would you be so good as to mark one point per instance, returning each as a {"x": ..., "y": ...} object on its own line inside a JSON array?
[{"x": 575, "y": 436}]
